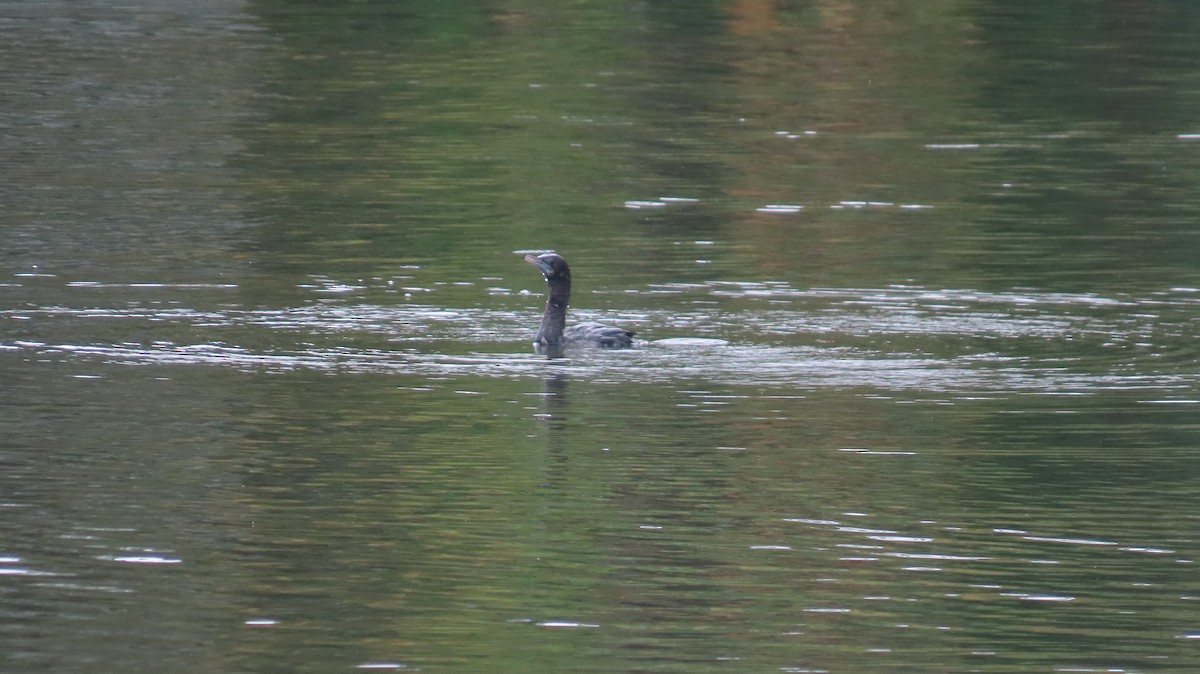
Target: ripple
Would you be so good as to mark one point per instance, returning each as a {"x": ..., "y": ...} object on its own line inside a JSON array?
[
  {"x": 1038, "y": 597},
  {"x": 896, "y": 338}
]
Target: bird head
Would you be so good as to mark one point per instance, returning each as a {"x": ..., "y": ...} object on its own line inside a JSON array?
[{"x": 552, "y": 266}]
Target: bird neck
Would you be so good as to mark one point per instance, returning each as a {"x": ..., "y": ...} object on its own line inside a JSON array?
[{"x": 554, "y": 320}]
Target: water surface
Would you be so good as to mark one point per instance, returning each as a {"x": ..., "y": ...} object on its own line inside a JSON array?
[{"x": 916, "y": 292}]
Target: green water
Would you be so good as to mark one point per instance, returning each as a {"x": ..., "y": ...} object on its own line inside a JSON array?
[{"x": 271, "y": 404}]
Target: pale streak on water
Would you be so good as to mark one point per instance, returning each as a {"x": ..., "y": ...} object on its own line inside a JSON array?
[{"x": 900, "y": 338}]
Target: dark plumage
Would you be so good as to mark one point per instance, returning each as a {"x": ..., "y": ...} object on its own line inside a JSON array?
[{"x": 553, "y": 333}]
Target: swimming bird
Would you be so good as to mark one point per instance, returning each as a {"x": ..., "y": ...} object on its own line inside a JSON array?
[{"x": 553, "y": 335}]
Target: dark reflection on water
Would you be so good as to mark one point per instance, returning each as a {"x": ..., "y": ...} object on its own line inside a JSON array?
[{"x": 917, "y": 289}]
